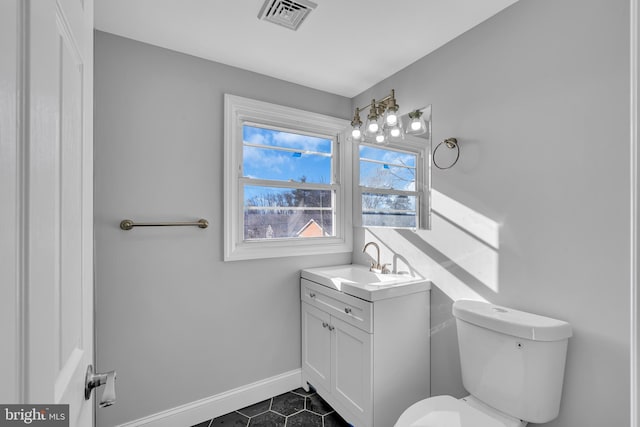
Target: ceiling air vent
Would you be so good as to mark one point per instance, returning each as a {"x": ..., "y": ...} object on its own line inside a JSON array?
[{"x": 288, "y": 13}]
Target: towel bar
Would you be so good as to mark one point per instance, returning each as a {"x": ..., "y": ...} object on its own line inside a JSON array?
[{"x": 128, "y": 224}]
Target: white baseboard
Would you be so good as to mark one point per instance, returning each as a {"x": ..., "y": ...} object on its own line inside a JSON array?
[{"x": 223, "y": 403}]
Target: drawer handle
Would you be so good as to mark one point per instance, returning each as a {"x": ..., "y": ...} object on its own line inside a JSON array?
[
  {"x": 347, "y": 310},
  {"x": 312, "y": 295}
]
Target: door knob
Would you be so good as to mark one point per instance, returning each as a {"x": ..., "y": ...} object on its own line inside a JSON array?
[{"x": 93, "y": 380}]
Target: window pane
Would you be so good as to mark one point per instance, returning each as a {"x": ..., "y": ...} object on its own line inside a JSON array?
[
  {"x": 388, "y": 210},
  {"x": 393, "y": 157},
  {"x": 390, "y": 169},
  {"x": 287, "y": 213},
  {"x": 285, "y": 156}
]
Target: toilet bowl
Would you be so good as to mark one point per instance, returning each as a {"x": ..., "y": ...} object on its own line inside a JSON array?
[
  {"x": 512, "y": 365},
  {"x": 447, "y": 411}
]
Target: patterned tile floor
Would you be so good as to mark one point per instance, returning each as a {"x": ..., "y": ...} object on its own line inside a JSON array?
[{"x": 296, "y": 408}]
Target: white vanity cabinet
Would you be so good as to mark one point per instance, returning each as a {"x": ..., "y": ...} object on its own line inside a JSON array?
[{"x": 368, "y": 359}]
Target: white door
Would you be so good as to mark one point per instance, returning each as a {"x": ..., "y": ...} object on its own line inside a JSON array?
[
  {"x": 316, "y": 346},
  {"x": 352, "y": 369},
  {"x": 54, "y": 183}
]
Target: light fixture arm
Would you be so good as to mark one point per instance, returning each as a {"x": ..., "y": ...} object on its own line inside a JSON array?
[
  {"x": 356, "y": 118},
  {"x": 415, "y": 114},
  {"x": 373, "y": 110},
  {"x": 381, "y": 105}
]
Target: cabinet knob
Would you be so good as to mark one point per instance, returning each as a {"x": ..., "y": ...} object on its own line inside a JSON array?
[
  {"x": 331, "y": 328},
  {"x": 347, "y": 310},
  {"x": 325, "y": 324},
  {"x": 312, "y": 295}
]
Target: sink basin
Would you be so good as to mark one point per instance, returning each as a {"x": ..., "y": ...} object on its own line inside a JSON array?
[
  {"x": 360, "y": 274},
  {"x": 358, "y": 281}
]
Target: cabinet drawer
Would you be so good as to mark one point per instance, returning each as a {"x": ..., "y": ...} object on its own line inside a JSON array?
[{"x": 352, "y": 310}]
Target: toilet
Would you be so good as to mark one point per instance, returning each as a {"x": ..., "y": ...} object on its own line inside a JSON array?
[{"x": 512, "y": 366}]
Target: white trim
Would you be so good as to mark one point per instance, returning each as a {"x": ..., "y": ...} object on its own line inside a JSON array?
[
  {"x": 223, "y": 403},
  {"x": 11, "y": 172},
  {"x": 635, "y": 187},
  {"x": 22, "y": 238},
  {"x": 239, "y": 111}
]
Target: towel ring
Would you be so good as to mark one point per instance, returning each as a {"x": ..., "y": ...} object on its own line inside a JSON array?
[{"x": 451, "y": 143}]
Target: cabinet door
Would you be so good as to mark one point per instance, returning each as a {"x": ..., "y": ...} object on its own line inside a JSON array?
[
  {"x": 352, "y": 368},
  {"x": 316, "y": 345}
]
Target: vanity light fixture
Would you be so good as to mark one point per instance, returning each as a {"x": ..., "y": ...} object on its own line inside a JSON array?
[{"x": 384, "y": 123}]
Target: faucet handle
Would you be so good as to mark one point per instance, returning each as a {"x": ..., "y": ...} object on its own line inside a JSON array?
[
  {"x": 375, "y": 268},
  {"x": 385, "y": 269}
]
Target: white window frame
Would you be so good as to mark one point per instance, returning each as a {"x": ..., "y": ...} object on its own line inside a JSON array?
[
  {"x": 422, "y": 149},
  {"x": 239, "y": 111}
]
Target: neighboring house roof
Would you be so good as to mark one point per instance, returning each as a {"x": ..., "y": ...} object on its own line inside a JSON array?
[
  {"x": 311, "y": 229},
  {"x": 260, "y": 225}
]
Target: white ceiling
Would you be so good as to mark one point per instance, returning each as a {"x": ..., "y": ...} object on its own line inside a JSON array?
[{"x": 343, "y": 47}]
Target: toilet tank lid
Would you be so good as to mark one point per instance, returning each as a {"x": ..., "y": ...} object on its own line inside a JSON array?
[{"x": 511, "y": 322}]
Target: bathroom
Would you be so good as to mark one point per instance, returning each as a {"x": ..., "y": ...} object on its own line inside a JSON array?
[
  {"x": 537, "y": 96},
  {"x": 538, "y": 99}
]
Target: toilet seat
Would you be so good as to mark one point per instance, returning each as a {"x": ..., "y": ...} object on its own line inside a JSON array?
[{"x": 447, "y": 411}]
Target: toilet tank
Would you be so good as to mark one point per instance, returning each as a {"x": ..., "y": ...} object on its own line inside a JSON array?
[{"x": 512, "y": 360}]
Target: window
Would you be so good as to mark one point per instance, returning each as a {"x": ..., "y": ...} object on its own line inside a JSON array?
[
  {"x": 285, "y": 191},
  {"x": 286, "y": 182},
  {"x": 393, "y": 187}
]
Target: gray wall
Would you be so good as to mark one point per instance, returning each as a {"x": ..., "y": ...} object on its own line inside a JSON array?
[
  {"x": 176, "y": 322},
  {"x": 538, "y": 97}
]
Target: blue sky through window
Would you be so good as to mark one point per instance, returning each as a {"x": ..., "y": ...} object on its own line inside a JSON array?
[
  {"x": 387, "y": 168},
  {"x": 284, "y": 156}
]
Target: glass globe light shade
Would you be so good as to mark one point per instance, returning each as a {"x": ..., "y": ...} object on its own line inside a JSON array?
[
  {"x": 417, "y": 126},
  {"x": 391, "y": 117}
]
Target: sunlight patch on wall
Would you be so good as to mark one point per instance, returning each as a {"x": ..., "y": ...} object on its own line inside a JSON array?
[
  {"x": 408, "y": 251},
  {"x": 459, "y": 254},
  {"x": 467, "y": 241},
  {"x": 476, "y": 224}
]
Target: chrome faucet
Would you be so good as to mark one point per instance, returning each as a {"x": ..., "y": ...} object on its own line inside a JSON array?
[{"x": 376, "y": 267}]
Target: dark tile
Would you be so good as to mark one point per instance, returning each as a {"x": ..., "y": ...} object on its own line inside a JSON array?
[
  {"x": 335, "y": 420},
  {"x": 304, "y": 419},
  {"x": 287, "y": 403},
  {"x": 268, "y": 419},
  {"x": 302, "y": 391},
  {"x": 232, "y": 419},
  {"x": 203, "y": 424},
  {"x": 316, "y": 404},
  {"x": 256, "y": 409}
]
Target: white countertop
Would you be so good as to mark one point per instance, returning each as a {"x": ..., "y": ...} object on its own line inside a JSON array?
[{"x": 357, "y": 280}]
